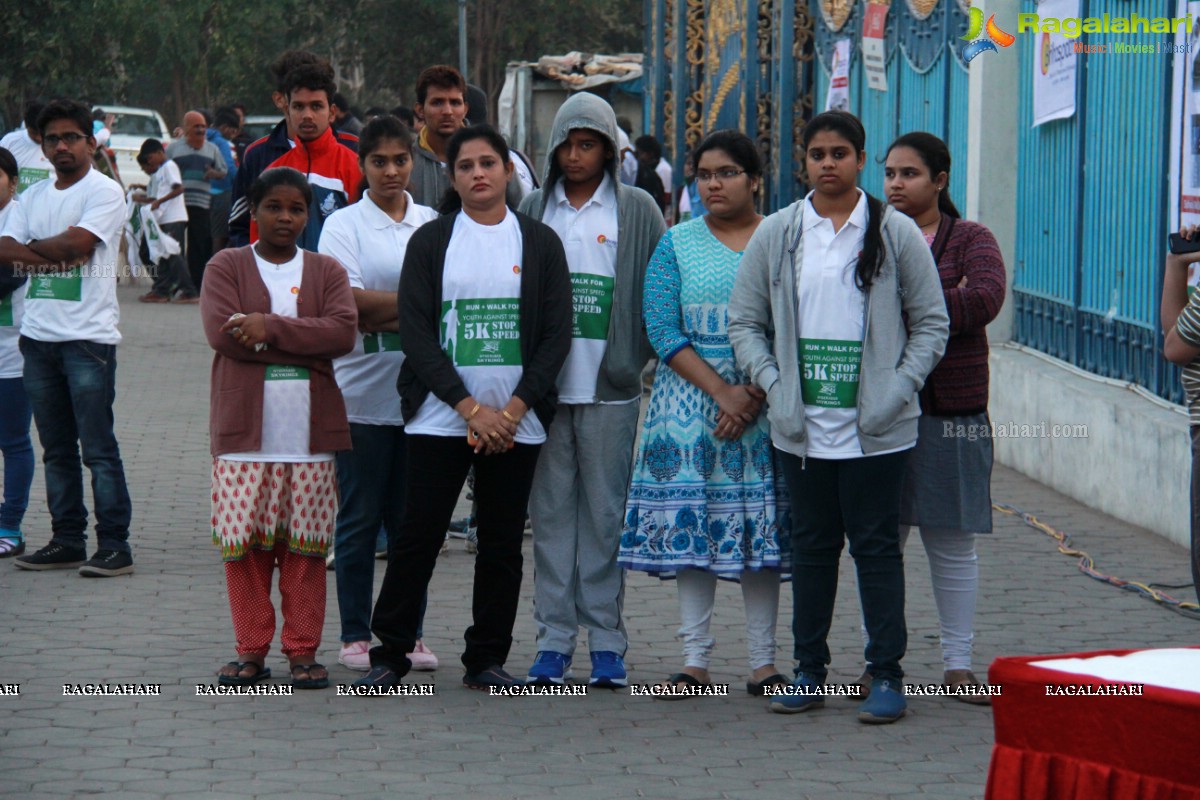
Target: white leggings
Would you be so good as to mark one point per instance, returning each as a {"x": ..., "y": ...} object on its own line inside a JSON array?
[
  {"x": 954, "y": 572},
  {"x": 697, "y": 592}
]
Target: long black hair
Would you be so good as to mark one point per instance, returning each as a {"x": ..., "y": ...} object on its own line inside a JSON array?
[
  {"x": 846, "y": 125},
  {"x": 451, "y": 202},
  {"x": 936, "y": 155}
]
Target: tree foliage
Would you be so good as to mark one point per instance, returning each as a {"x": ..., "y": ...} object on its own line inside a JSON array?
[{"x": 176, "y": 56}]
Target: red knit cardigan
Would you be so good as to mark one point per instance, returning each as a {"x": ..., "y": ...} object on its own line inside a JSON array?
[
  {"x": 958, "y": 385},
  {"x": 325, "y": 329}
]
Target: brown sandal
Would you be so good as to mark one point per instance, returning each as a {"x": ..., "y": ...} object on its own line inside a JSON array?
[{"x": 965, "y": 679}]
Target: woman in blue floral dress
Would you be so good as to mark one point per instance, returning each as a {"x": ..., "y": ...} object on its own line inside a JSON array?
[{"x": 706, "y": 500}]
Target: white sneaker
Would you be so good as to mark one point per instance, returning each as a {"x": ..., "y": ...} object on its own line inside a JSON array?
[
  {"x": 355, "y": 656},
  {"x": 422, "y": 658}
]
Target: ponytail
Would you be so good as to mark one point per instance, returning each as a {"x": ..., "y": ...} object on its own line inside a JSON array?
[{"x": 870, "y": 260}]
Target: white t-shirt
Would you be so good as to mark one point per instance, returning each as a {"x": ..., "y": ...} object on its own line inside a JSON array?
[
  {"x": 165, "y": 179},
  {"x": 32, "y": 164},
  {"x": 829, "y": 322},
  {"x": 11, "y": 307},
  {"x": 80, "y": 304},
  {"x": 371, "y": 246},
  {"x": 666, "y": 174},
  {"x": 481, "y": 325},
  {"x": 589, "y": 235},
  {"x": 287, "y": 404}
]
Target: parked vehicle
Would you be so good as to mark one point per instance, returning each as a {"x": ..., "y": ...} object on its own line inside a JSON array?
[
  {"x": 259, "y": 125},
  {"x": 130, "y": 127}
]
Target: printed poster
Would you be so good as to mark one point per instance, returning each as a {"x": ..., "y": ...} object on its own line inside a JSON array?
[{"x": 1054, "y": 66}]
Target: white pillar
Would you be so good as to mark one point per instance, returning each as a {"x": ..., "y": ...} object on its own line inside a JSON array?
[{"x": 992, "y": 147}]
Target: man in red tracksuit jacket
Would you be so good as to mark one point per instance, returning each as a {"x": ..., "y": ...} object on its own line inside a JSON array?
[
  {"x": 260, "y": 153},
  {"x": 331, "y": 168}
]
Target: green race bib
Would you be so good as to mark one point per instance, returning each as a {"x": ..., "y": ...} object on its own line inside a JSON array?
[
  {"x": 592, "y": 298},
  {"x": 6, "y": 312},
  {"x": 28, "y": 176},
  {"x": 67, "y": 287},
  {"x": 286, "y": 372},
  {"x": 381, "y": 343},
  {"x": 482, "y": 333},
  {"x": 829, "y": 372}
]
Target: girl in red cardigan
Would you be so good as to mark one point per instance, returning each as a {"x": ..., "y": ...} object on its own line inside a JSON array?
[
  {"x": 276, "y": 317},
  {"x": 947, "y": 485}
]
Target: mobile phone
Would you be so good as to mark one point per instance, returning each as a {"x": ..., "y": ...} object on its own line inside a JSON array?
[{"x": 1179, "y": 245}]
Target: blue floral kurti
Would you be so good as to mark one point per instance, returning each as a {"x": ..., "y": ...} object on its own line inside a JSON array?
[{"x": 696, "y": 501}]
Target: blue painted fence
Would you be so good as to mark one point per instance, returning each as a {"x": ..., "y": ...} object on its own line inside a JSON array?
[
  {"x": 1092, "y": 204},
  {"x": 1092, "y": 215}
]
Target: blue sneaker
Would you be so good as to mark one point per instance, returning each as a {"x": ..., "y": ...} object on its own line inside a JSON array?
[
  {"x": 549, "y": 669},
  {"x": 884, "y": 704},
  {"x": 802, "y": 694},
  {"x": 608, "y": 671}
]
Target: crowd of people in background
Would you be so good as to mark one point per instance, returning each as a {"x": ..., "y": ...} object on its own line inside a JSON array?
[{"x": 396, "y": 302}]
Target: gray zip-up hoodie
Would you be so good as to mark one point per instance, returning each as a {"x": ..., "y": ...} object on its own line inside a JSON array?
[
  {"x": 896, "y": 358},
  {"x": 639, "y": 227}
]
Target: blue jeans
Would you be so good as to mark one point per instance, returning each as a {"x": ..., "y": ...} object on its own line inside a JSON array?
[
  {"x": 18, "y": 452},
  {"x": 71, "y": 386},
  {"x": 371, "y": 481},
  {"x": 834, "y": 500}
]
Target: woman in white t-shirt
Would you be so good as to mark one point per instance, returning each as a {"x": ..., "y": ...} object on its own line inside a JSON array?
[
  {"x": 837, "y": 314},
  {"x": 276, "y": 316},
  {"x": 485, "y": 317},
  {"x": 14, "y": 419},
  {"x": 369, "y": 239}
]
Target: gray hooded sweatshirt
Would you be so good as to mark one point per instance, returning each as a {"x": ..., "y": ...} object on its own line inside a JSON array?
[
  {"x": 639, "y": 227},
  {"x": 896, "y": 358}
]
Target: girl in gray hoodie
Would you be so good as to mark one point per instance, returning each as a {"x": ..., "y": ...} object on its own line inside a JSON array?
[{"x": 837, "y": 314}]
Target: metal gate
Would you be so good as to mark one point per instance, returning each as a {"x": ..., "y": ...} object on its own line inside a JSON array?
[{"x": 1092, "y": 216}]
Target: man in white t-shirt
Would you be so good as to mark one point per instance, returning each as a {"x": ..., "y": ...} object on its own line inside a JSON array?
[
  {"x": 25, "y": 143},
  {"x": 64, "y": 235}
]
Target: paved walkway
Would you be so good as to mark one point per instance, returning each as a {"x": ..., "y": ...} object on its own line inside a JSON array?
[{"x": 169, "y": 624}]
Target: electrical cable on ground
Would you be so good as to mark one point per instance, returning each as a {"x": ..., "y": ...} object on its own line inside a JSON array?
[{"x": 1087, "y": 566}]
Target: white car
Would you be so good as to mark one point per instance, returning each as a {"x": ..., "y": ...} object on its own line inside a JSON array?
[
  {"x": 130, "y": 127},
  {"x": 260, "y": 125}
]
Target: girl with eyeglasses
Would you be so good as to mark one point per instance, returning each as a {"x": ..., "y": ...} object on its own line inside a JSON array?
[{"x": 706, "y": 500}]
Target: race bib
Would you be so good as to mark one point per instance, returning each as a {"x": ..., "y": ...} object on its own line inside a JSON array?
[
  {"x": 28, "y": 176},
  {"x": 67, "y": 287},
  {"x": 482, "y": 333},
  {"x": 381, "y": 343},
  {"x": 829, "y": 372},
  {"x": 286, "y": 372},
  {"x": 592, "y": 298}
]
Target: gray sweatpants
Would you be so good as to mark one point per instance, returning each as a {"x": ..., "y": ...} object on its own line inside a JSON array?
[{"x": 577, "y": 507}]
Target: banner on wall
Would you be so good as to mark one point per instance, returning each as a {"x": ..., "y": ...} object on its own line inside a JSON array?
[
  {"x": 838, "y": 98},
  {"x": 1185, "y": 127},
  {"x": 874, "y": 57},
  {"x": 1054, "y": 63}
]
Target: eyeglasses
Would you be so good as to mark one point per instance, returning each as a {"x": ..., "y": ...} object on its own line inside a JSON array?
[
  {"x": 723, "y": 174},
  {"x": 71, "y": 139}
]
